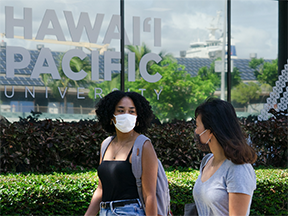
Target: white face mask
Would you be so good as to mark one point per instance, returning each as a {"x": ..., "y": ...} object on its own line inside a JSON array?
[{"x": 125, "y": 122}]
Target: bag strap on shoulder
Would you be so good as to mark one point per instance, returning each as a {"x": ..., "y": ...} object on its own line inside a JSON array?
[{"x": 137, "y": 163}]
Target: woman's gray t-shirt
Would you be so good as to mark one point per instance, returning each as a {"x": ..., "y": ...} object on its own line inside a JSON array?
[{"x": 211, "y": 196}]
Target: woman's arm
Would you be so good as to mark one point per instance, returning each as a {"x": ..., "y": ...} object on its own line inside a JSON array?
[
  {"x": 94, "y": 206},
  {"x": 238, "y": 204},
  {"x": 149, "y": 178}
]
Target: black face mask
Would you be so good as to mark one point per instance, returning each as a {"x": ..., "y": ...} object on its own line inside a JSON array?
[{"x": 202, "y": 146}]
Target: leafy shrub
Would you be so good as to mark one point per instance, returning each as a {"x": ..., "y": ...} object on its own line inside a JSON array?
[
  {"x": 45, "y": 146},
  {"x": 52, "y": 194},
  {"x": 70, "y": 193},
  {"x": 48, "y": 145},
  {"x": 174, "y": 144},
  {"x": 269, "y": 139}
]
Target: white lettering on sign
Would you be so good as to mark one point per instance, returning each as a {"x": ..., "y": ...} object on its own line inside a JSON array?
[
  {"x": 11, "y": 22},
  {"x": 51, "y": 26},
  {"x": 66, "y": 64},
  {"x": 108, "y": 66},
  {"x": 98, "y": 92},
  {"x": 50, "y": 17},
  {"x": 39, "y": 68},
  {"x": 78, "y": 93},
  {"x": 158, "y": 93},
  {"x": 11, "y": 64},
  {"x": 84, "y": 23},
  {"x": 12, "y": 92},
  {"x": 75, "y": 31},
  {"x": 62, "y": 95},
  {"x": 28, "y": 90},
  {"x": 45, "y": 55},
  {"x": 143, "y": 64}
]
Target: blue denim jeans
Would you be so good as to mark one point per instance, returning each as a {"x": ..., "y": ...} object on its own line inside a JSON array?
[{"x": 130, "y": 209}]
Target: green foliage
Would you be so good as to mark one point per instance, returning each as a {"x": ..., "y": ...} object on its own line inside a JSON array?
[
  {"x": 45, "y": 146},
  {"x": 174, "y": 144},
  {"x": 269, "y": 139},
  {"x": 210, "y": 74},
  {"x": 235, "y": 77},
  {"x": 108, "y": 86},
  {"x": 139, "y": 51},
  {"x": 105, "y": 86},
  {"x": 51, "y": 194},
  {"x": 76, "y": 65},
  {"x": 270, "y": 196},
  {"x": 244, "y": 93},
  {"x": 265, "y": 72},
  {"x": 254, "y": 64},
  {"x": 266, "y": 88},
  {"x": 69, "y": 193},
  {"x": 179, "y": 93},
  {"x": 48, "y": 145},
  {"x": 181, "y": 183}
]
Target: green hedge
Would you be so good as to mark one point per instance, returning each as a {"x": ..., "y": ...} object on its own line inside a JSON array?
[
  {"x": 33, "y": 145},
  {"x": 46, "y": 145},
  {"x": 70, "y": 193}
]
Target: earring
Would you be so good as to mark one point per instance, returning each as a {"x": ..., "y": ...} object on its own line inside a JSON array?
[
  {"x": 137, "y": 124},
  {"x": 111, "y": 122}
]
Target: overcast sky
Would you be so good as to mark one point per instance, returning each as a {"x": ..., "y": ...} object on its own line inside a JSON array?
[{"x": 254, "y": 22}]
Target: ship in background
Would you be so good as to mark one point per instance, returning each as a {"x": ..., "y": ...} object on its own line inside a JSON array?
[{"x": 211, "y": 48}]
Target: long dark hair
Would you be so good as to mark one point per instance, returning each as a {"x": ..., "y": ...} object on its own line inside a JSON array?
[
  {"x": 220, "y": 118},
  {"x": 106, "y": 106}
]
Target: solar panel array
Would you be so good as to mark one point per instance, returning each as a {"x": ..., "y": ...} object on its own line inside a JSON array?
[
  {"x": 22, "y": 77},
  {"x": 192, "y": 66},
  {"x": 246, "y": 72},
  {"x": 20, "y": 81}
]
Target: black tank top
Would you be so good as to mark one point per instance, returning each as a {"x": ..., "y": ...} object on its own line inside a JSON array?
[{"x": 118, "y": 181}]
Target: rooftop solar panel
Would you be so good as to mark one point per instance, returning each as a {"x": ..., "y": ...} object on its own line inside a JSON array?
[
  {"x": 4, "y": 82},
  {"x": 192, "y": 65},
  {"x": 22, "y": 81}
]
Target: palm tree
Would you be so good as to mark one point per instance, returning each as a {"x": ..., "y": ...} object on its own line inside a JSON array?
[
  {"x": 76, "y": 64},
  {"x": 139, "y": 51}
]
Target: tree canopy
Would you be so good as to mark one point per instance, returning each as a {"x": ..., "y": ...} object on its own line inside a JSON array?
[
  {"x": 76, "y": 65},
  {"x": 244, "y": 93},
  {"x": 176, "y": 94},
  {"x": 265, "y": 72},
  {"x": 210, "y": 74}
]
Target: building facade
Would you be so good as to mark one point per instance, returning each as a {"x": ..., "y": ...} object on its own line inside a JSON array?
[{"x": 59, "y": 59}]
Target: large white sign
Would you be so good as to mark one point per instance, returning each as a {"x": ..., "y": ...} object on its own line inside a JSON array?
[{"x": 76, "y": 30}]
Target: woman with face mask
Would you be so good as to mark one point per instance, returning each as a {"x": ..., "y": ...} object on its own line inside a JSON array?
[
  {"x": 126, "y": 114},
  {"x": 227, "y": 179}
]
